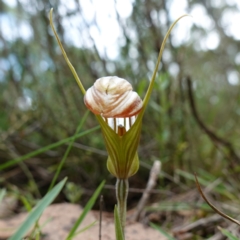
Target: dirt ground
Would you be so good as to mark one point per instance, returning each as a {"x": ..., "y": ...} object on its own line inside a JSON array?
[{"x": 58, "y": 219}]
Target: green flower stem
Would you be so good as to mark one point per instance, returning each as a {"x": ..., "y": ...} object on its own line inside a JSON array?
[{"x": 121, "y": 194}]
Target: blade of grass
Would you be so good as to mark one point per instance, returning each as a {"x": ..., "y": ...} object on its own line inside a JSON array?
[
  {"x": 169, "y": 237},
  {"x": 118, "y": 226},
  {"x": 178, "y": 206},
  {"x": 26, "y": 203},
  {"x": 228, "y": 234},
  {"x": 28, "y": 207},
  {"x": 68, "y": 150},
  {"x": 220, "y": 188},
  {"x": 37, "y": 211},
  {"x": 2, "y": 194},
  {"x": 37, "y": 229},
  {"x": 44, "y": 149},
  {"x": 190, "y": 176},
  {"x": 87, "y": 208},
  {"x": 86, "y": 228}
]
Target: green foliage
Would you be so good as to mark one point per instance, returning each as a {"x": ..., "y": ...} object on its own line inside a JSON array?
[
  {"x": 2, "y": 194},
  {"x": 37, "y": 211},
  {"x": 228, "y": 234},
  {"x": 38, "y": 134},
  {"x": 35, "y": 69},
  {"x": 60, "y": 166},
  {"x": 41, "y": 206},
  {"x": 169, "y": 237},
  {"x": 44, "y": 149},
  {"x": 87, "y": 208},
  {"x": 73, "y": 192}
]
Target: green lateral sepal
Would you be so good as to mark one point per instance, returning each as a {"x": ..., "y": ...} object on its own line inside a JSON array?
[{"x": 123, "y": 160}]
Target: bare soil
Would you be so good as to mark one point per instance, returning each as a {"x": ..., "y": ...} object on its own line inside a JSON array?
[{"x": 58, "y": 219}]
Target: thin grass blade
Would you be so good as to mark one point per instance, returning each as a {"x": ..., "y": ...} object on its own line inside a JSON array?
[
  {"x": 60, "y": 165},
  {"x": 44, "y": 149},
  {"x": 86, "y": 228},
  {"x": 26, "y": 203},
  {"x": 228, "y": 234},
  {"x": 2, "y": 194},
  {"x": 37, "y": 211},
  {"x": 87, "y": 208},
  {"x": 168, "y": 236}
]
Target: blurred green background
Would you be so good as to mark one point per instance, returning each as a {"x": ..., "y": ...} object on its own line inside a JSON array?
[{"x": 40, "y": 102}]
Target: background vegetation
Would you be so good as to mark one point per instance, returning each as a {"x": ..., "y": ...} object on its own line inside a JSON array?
[{"x": 191, "y": 123}]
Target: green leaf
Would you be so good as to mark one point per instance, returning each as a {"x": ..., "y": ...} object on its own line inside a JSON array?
[
  {"x": 86, "y": 228},
  {"x": 228, "y": 234},
  {"x": 87, "y": 208},
  {"x": 67, "y": 151},
  {"x": 2, "y": 194},
  {"x": 169, "y": 237},
  {"x": 44, "y": 149},
  {"x": 118, "y": 226},
  {"x": 26, "y": 203},
  {"x": 37, "y": 211}
]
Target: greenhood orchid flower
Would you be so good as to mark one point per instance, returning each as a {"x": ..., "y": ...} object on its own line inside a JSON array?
[
  {"x": 119, "y": 112},
  {"x": 117, "y": 107}
]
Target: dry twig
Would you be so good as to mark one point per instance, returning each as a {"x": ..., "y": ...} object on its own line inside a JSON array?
[
  {"x": 199, "y": 224},
  {"x": 213, "y": 207},
  {"x": 213, "y": 136},
  {"x": 156, "y": 168}
]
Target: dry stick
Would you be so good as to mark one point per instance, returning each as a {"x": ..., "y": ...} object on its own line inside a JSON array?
[
  {"x": 212, "y": 206},
  {"x": 100, "y": 217},
  {"x": 199, "y": 224},
  {"x": 154, "y": 173},
  {"x": 213, "y": 136}
]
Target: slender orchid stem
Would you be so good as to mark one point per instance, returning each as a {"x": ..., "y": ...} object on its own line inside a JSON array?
[{"x": 121, "y": 194}]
